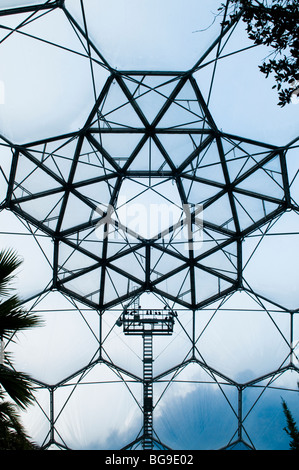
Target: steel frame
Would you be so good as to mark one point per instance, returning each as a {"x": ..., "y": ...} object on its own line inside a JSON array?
[{"x": 227, "y": 234}]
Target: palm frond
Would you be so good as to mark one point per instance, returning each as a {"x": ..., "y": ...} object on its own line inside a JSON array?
[
  {"x": 12, "y": 432},
  {"x": 17, "y": 385},
  {"x": 14, "y": 318},
  {"x": 10, "y": 417},
  {"x": 9, "y": 262}
]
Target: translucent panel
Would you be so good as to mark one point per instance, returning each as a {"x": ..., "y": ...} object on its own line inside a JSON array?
[
  {"x": 58, "y": 92},
  {"x": 250, "y": 353},
  {"x": 54, "y": 341},
  {"x": 153, "y": 36},
  {"x": 34, "y": 417},
  {"x": 119, "y": 349},
  {"x": 171, "y": 351},
  {"x": 33, "y": 248},
  {"x": 240, "y": 99},
  {"x": 149, "y": 210},
  {"x": 275, "y": 279},
  {"x": 55, "y": 157},
  {"x": 190, "y": 415},
  {"x": 267, "y": 417},
  {"x": 77, "y": 431}
]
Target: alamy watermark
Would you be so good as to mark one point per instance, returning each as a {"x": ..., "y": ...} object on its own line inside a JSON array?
[{"x": 166, "y": 223}]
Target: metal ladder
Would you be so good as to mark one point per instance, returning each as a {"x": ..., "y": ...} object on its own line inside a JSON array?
[
  {"x": 147, "y": 322},
  {"x": 147, "y": 391}
]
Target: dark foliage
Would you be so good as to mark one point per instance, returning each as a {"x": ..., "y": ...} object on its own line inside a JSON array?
[
  {"x": 291, "y": 428},
  {"x": 274, "y": 23},
  {"x": 12, "y": 433},
  {"x": 13, "y": 384}
]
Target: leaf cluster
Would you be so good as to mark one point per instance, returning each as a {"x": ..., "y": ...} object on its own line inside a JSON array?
[
  {"x": 12, "y": 433},
  {"x": 274, "y": 24},
  {"x": 18, "y": 386},
  {"x": 13, "y": 317},
  {"x": 291, "y": 428}
]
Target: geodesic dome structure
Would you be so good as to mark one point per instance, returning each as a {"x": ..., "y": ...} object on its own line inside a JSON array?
[{"x": 150, "y": 182}]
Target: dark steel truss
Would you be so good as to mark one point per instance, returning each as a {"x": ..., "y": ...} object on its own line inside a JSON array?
[
  {"x": 149, "y": 133},
  {"x": 207, "y": 152}
]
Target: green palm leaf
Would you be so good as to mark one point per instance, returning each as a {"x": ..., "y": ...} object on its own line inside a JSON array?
[
  {"x": 18, "y": 386},
  {"x": 9, "y": 262},
  {"x": 14, "y": 318},
  {"x": 12, "y": 433}
]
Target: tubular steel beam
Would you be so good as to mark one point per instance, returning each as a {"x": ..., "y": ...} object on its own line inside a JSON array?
[{"x": 49, "y": 5}]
